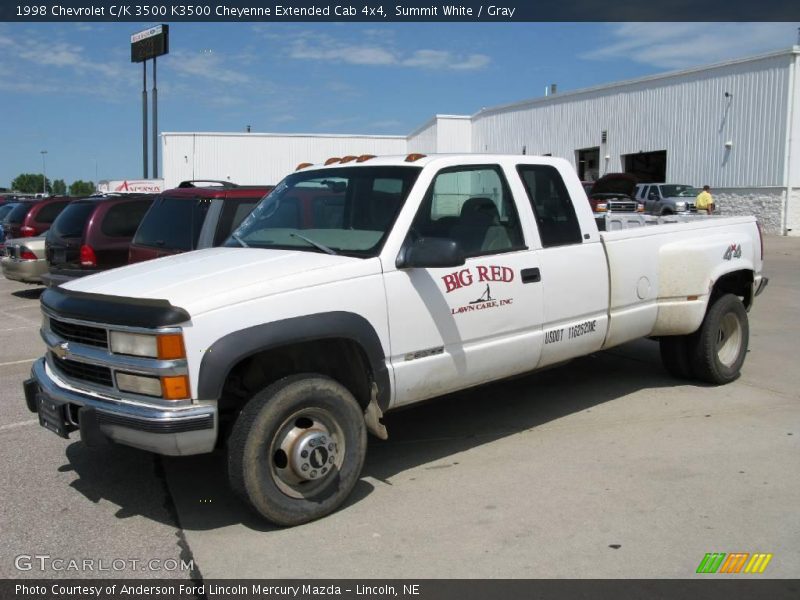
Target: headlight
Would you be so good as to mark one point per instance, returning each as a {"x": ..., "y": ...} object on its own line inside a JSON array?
[
  {"x": 165, "y": 346},
  {"x": 601, "y": 207},
  {"x": 680, "y": 205}
]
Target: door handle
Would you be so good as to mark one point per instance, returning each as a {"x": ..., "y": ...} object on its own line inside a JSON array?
[{"x": 531, "y": 275}]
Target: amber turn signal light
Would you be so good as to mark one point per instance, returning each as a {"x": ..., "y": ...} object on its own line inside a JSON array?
[
  {"x": 175, "y": 387},
  {"x": 170, "y": 346}
]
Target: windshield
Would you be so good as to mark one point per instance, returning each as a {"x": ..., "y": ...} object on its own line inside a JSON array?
[
  {"x": 173, "y": 223},
  {"x": 72, "y": 219},
  {"x": 348, "y": 210},
  {"x": 670, "y": 191}
]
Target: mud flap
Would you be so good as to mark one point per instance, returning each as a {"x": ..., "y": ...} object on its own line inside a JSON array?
[{"x": 373, "y": 415}]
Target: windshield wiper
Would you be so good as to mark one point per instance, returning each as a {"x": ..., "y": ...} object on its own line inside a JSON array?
[
  {"x": 322, "y": 247},
  {"x": 240, "y": 240}
]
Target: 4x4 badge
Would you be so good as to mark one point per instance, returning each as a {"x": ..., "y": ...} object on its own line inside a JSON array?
[{"x": 733, "y": 251}]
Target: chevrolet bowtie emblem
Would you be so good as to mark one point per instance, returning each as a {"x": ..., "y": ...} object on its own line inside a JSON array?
[{"x": 61, "y": 350}]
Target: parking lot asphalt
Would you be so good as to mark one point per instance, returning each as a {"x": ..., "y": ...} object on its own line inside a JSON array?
[{"x": 604, "y": 467}]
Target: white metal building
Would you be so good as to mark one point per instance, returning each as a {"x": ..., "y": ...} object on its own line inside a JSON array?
[
  {"x": 260, "y": 158},
  {"x": 734, "y": 126}
]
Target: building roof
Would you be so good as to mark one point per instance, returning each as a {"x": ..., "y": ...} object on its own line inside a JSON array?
[{"x": 793, "y": 50}]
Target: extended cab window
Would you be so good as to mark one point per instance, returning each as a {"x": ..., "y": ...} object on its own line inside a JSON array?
[
  {"x": 473, "y": 206},
  {"x": 552, "y": 206},
  {"x": 173, "y": 223},
  {"x": 345, "y": 210}
]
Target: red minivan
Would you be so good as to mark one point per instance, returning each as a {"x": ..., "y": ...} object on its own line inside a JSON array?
[
  {"x": 191, "y": 217},
  {"x": 93, "y": 235},
  {"x": 30, "y": 219}
]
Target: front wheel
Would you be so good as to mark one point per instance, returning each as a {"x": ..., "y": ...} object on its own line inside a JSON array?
[
  {"x": 297, "y": 449},
  {"x": 722, "y": 341}
]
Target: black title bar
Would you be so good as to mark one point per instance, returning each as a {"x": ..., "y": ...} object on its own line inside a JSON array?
[{"x": 285, "y": 11}]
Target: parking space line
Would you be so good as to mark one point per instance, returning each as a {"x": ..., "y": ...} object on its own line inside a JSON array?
[
  {"x": 31, "y": 326},
  {"x": 17, "y": 425},
  {"x": 19, "y": 318},
  {"x": 18, "y": 362},
  {"x": 21, "y": 306}
]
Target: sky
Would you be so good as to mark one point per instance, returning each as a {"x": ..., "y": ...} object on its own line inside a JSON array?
[{"x": 70, "y": 88}]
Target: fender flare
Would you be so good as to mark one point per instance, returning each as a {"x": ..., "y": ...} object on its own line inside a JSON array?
[{"x": 229, "y": 350}]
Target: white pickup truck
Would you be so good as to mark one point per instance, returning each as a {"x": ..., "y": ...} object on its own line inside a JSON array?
[{"x": 368, "y": 284}]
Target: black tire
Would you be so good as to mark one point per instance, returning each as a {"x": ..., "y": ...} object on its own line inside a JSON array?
[
  {"x": 307, "y": 413},
  {"x": 666, "y": 212},
  {"x": 722, "y": 341},
  {"x": 676, "y": 355}
]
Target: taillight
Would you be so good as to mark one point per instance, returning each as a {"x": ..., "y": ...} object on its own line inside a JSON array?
[
  {"x": 26, "y": 254},
  {"x": 88, "y": 259},
  {"x": 27, "y": 231}
]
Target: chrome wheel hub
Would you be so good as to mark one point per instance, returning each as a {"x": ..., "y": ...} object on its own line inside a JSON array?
[
  {"x": 313, "y": 455},
  {"x": 307, "y": 452}
]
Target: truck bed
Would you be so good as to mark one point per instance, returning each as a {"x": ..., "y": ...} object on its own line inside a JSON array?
[{"x": 661, "y": 269}]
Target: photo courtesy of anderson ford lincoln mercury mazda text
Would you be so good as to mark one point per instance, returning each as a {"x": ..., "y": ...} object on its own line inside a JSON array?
[{"x": 365, "y": 285}]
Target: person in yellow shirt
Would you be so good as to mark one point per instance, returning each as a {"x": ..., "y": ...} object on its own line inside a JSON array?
[{"x": 705, "y": 202}]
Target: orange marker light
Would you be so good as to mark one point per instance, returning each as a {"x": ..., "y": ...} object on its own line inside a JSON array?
[
  {"x": 170, "y": 346},
  {"x": 365, "y": 157},
  {"x": 333, "y": 159},
  {"x": 175, "y": 387},
  {"x": 348, "y": 158},
  {"x": 303, "y": 166},
  {"x": 413, "y": 157}
]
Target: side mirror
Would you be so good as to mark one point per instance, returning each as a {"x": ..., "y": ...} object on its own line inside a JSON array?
[{"x": 430, "y": 253}]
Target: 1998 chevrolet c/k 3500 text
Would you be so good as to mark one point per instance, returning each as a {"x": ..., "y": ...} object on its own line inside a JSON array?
[{"x": 372, "y": 283}]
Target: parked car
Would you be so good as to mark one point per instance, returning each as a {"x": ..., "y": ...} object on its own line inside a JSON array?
[
  {"x": 667, "y": 198},
  {"x": 24, "y": 259},
  {"x": 191, "y": 217},
  {"x": 92, "y": 235},
  {"x": 4, "y": 210},
  {"x": 34, "y": 217},
  {"x": 428, "y": 275}
]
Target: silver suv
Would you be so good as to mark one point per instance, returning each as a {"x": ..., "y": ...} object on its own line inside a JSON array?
[{"x": 667, "y": 198}]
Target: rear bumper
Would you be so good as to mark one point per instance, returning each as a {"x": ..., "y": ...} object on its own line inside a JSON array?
[
  {"x": 56, "y": 278},
  {"x": 26, "y": 271},
  {"x": 169, "y": 431}
]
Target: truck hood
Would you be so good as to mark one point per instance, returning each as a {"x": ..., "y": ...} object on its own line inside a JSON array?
[
  {"x": 204, "y": 280},
  {"x": 614, "y": 184}
]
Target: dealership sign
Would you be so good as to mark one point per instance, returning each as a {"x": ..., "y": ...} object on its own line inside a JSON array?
[
  {"x": 132, "y": 186},
  {"x": 150, "y": 43}
]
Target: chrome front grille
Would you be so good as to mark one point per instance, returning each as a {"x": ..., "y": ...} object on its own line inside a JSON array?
[
  {"x": 80, "y": 353},
  {"x": 80, "y": 333},
  {"x": 82, "y": 371}
]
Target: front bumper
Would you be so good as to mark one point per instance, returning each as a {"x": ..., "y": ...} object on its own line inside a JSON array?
[
  {"x": 26, "y": 271},
  {"x": 176, "y": 431}
]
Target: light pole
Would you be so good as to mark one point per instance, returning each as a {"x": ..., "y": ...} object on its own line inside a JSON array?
[{"x": 44, "y": 174}]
